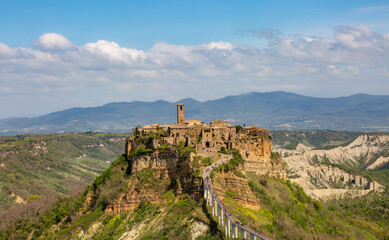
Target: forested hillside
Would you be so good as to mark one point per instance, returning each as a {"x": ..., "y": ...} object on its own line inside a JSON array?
[{"x": 44, "y": 166}]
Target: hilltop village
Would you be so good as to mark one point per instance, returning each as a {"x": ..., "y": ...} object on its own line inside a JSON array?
[
  {"x": 173, "y": 152},
  {"x": 218, "y": 135}
]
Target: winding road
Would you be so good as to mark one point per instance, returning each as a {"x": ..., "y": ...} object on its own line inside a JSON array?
[{"x": 220, "y": 211}]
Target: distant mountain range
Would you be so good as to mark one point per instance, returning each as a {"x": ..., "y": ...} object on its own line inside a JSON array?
[{"x": 273, "y": 110}]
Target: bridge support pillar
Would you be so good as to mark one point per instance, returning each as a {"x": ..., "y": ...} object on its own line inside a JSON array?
[
  {"x": 213, "y": 207},
  {"x": 226, "y": 227},
  {"x": 207, "y": 196},
  {"x": 221, "y": 216},
  {"x": 229, "y": 227},
  {"x": 216, "y": 210}
]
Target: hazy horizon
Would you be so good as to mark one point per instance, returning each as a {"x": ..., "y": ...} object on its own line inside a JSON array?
[
  {"x": 59, "y": 55},
  {"x": 173, "y": 101}
]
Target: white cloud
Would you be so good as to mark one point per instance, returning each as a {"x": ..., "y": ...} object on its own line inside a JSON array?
[
  {"x": 73, "y": 75},
  {"x": 6, "y": 51},
  {"x": 219, "y": 45},
  {"x": 53, "y": 41},
  {"x": 113, "y": 52}
]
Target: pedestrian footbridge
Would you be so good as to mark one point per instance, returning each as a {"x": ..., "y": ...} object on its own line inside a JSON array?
[{"x": 233, "y": 228}]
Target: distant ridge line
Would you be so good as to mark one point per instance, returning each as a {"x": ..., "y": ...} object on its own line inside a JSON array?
[{"x": 272, "y": 110}]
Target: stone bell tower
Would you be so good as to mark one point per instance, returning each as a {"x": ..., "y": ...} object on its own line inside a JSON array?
[{"x": 181, "y": 113}]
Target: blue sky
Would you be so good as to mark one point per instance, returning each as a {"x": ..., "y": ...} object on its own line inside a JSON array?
[
  {"x": 60, "y": 54},
  {"x": 142, "y": 23}
]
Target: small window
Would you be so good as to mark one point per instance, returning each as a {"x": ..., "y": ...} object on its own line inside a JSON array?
[
  {"x": 176, "y": 134},
  {"x": 181, "y": 108}
]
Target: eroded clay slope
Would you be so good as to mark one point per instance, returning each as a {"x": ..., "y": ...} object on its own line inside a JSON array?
[{"x": 313, "y": 169}]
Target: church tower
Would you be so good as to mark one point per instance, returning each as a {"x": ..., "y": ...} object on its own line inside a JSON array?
[{"x": 181, "y": 113}]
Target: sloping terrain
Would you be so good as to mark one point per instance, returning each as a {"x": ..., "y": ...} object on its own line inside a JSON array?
[
  {"x": 48, "y": 166},
  {"x": 273, "y": 110},
  {"x": 353, "y": 168},
  {"x": 275, "y": 207}
]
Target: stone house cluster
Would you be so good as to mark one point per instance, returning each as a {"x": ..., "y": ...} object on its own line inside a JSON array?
[{"x": 216, "y": 136}]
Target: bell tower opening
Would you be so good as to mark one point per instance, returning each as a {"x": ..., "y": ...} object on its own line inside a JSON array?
[{"x": 181, "y": 113}]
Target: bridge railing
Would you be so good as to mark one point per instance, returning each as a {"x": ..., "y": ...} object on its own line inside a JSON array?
[{"x": 224, "y": 216}]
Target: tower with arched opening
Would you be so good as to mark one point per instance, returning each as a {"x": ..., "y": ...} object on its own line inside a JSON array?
[{"x": 181, "y": 113}]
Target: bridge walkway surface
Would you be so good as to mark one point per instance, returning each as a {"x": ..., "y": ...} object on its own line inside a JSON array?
[{"x": 233, "y": 228}]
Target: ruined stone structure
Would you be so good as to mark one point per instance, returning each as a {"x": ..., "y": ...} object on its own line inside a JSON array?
[{"x": 218, "y": 135}]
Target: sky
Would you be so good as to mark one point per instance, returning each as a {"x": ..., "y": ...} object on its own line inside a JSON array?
[{"x": 56, "y": 55}]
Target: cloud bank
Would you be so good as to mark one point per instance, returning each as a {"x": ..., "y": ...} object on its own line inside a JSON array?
[{"x": 55, "y": 73}]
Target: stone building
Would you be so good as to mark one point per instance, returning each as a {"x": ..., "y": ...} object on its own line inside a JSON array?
[{"x": 218, "y": 135}]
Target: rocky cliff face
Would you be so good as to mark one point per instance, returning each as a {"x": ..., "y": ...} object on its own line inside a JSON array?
[
  {"x": 227, "y": 184},
  {"x": 156, "y": 167},
  {"x": 153, "y": 174},
  {"x": 312, "y": 168},
  {"x": 257, "y": 153},
  {"x": 367, "y": 147}
]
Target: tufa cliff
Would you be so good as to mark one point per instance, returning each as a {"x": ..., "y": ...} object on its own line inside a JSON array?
[
  {"x": 155, "y": 168},
  {"x": 162, "y": 158},
  {"x": 257, "y": 152}
]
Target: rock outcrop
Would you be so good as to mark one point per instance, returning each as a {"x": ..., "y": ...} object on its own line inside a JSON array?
[
  {"x": 257, "y": 153},
  {"x": 157, "y": 166},
  {"x": 227, "y": 182},
  {"x": 153, "y": 174},
  {"x": 380, "y": 162},
  {"x": 313, "y": 169}
]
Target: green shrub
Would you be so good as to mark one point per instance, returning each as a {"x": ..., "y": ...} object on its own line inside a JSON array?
[
  {"x": 331, "y": 208},
  {"x": 163, "y": 147},
  {"x": 223, "y": 150},
  {"x": 197, "y": 173},
  {"x": 275, "y": 155},
  {"x": 33, "y": 197},
  {"x": 317, "y": 205},
  {"x": 141, "y": 151},
  {"x": 185, "y": 152},
  {"x": 237, "y": 159},
  {"x": 207, "y": 161}
]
